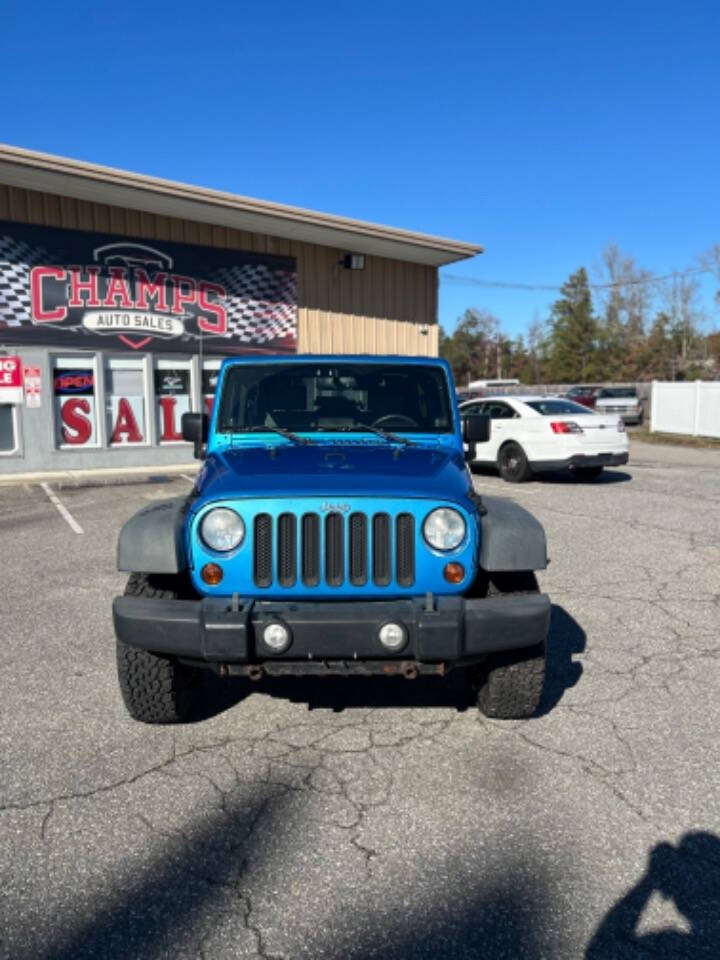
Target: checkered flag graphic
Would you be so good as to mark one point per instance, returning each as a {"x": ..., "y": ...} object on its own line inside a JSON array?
[
  {"x": 17, "y": 258},
  {"x": 260, "y": 303}
]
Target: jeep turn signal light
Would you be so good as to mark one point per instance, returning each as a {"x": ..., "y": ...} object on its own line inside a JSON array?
[
  {"x": 454, "y": 572},
  {"x": 212, "y": 574}
]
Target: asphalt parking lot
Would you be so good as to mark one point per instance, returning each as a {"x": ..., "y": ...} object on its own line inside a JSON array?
[{"x": 375, "y": 819}]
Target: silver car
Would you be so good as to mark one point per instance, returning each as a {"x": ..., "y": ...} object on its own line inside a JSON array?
[{"x": 621, "y": 400}]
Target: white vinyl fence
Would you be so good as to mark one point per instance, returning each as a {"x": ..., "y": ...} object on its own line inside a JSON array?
[{"x": 691, "y": 408}]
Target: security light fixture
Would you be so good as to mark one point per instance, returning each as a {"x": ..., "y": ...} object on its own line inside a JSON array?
[{"x": 353, "y": 261}]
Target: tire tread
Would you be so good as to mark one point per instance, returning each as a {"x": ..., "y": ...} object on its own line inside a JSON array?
[
  {"x": 510, "y": 682},
  {"x": 154, "y": 689}
]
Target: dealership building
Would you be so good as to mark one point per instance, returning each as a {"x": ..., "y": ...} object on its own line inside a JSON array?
[{"x": 120, "y": 294}]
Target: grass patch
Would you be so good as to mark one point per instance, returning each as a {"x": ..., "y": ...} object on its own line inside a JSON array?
[{"x": 674, "y": 439}]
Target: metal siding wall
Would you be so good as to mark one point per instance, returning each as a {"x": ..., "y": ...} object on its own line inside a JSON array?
[{"x": 381, "y": 309}]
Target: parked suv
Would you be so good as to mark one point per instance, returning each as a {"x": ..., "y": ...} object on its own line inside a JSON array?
[
  {"x": 621, "y": 400},
  {"x": 333, "y": 529}
]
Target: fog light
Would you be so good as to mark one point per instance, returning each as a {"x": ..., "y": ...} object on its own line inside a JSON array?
[
  {"x": 393, "y": 636},
  {"x": 276, "y": 636},
  {"x": 454, "y": 572},
  {"x": 211, "y": 574}
]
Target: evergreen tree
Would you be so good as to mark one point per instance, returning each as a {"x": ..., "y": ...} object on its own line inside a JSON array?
[
  {"x": 573, "y": 332},
  {"x": 472, "y": 351}
]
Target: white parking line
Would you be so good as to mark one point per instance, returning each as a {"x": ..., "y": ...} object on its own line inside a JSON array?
[
  {"x": 62, "y": 510},
  {"x": 189, "y": 479},
  {"x": 502, "y": 489}
]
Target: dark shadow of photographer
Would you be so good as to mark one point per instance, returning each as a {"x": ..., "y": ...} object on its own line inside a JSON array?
[{"x": 688, "y": 874}]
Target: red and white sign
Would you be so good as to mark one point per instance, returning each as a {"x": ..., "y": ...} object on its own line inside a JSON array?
[
  {"x": 77, "y": 421},
  {"x": 11, "y": 386},
  {"x": 33, "y": 386}
]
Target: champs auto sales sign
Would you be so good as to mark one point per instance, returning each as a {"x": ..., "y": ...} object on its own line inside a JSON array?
[{"x": 92, "y": 291}]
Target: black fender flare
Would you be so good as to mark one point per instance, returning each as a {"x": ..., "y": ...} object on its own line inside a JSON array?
[
  {"x": 152, "y": 540},
  {"x": 510, "y": 537}
]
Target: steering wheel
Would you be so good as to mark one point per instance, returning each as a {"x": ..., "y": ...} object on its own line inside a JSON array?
[{"x": 395, "y": 416}]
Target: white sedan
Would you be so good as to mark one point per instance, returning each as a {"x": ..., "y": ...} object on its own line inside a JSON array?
[{"x": 532, "y": 434}]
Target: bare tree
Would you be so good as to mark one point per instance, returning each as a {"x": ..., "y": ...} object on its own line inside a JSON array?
[
  {"x": 710, "y": 260},
  {"x": 681, "y": 305},
  {"x": 628, "y": 299}
]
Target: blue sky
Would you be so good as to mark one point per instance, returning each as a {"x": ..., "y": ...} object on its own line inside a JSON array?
[{"x": 541, "y": 130}]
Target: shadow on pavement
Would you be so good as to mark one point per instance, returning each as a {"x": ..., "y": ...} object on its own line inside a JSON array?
[
  {"x": 559, "y": 477},
  {"x": 689, "y": 875},
  {"x": 606, "y": 478},
  {"x": 565, "y": 639},
  {"x": 154, "y": 913},
  {"x": 338, "y": 693},
  {"x": 502, "y": 920},
  {"x": 169, "y": 905}
]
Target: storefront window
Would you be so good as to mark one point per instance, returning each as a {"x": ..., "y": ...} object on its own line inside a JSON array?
[
  {"x": 125, "y": 401},
  {"x": 8, "y": 429},
  {"x": 74, "y": 389},
  {"x": 173, "y": 392},
  {"x": 210, "y": 371}
]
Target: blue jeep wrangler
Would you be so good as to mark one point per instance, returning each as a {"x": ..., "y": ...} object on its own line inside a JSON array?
[{"x": 333, "y": 529}]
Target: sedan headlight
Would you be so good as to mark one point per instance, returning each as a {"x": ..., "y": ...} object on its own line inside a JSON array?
[
  {"x": 222, "y": 529},
  {"x": 444, "y": 529}
]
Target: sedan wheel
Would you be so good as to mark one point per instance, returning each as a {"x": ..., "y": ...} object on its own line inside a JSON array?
[{"x": 512, "y": 464}]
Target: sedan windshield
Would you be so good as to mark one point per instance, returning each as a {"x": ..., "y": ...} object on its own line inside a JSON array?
[
  {"x": 320, "y": 397},
  {"x": 553, "y": 406}
]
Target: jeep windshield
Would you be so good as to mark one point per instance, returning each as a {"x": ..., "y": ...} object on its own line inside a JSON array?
[{"x": 322, "y": 397}]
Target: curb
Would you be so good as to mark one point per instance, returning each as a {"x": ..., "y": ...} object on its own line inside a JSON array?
[{"x": 99, "y": 473}]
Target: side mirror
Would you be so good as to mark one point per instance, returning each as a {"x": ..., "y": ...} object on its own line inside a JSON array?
[
  {"x": 195, "y": 430},
  {"x": 475, "y": 428}
]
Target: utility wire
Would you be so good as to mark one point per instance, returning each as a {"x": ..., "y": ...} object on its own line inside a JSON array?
[{"x": 456, "y": 279}]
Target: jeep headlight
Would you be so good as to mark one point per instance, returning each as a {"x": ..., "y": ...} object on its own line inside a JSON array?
[
  {"x": 222, "y": 529},
  {"x": 444, "y": 528}
]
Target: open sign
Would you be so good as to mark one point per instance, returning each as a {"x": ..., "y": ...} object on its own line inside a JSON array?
[{"x": 67, "y": 382}]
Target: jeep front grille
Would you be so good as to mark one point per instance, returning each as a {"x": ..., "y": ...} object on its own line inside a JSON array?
[
  {"x": 334, "y": 565},
  {"x": 335, "y": 548},
  {"x": 405, "y": 549},
  {"x": 311, "y": 549},
  {"x": 358, "y": 549},
  {"x": 287, "y": 550},
  {"x": 262, "y": 550}
]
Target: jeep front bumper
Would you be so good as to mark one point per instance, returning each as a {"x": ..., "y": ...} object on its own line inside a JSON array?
[{"x": 439, "y": 629}]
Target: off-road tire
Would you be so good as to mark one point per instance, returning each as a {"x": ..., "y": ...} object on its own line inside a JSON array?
[
  {"x": 586, "y": 473},
  {"x": 512, "y": 463},
  {"x": 155, "y": 689},
  {"x": 509, "y": 683}
]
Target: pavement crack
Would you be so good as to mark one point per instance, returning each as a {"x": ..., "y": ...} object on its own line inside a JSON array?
[
  {"x": 46, "y": 820},
  {"x": 116, "y": 784}
]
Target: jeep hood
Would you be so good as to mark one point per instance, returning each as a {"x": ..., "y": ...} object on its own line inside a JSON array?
[{"x": 363, "y": 469}]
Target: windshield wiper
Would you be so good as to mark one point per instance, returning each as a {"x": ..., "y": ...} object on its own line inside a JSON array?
[
  {"x": 390, "y": 437},
  {"x": 288, "y": 434}
]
